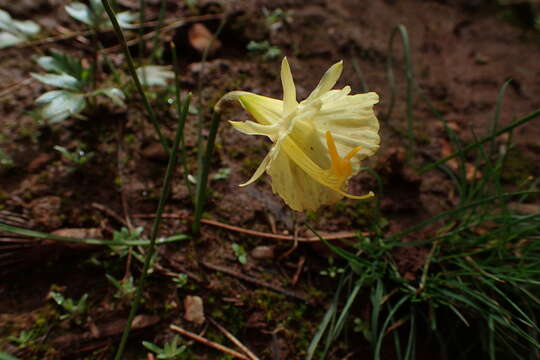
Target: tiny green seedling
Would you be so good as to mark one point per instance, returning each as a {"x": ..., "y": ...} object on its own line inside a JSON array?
[
  {"x": 74, "y": 309},
  {"x": 125, "y": 287},
  {"x": 181, "y": 280},
  {"x": 95, "y": 16},
  {"x": 15, "y": 31},
  {"x": 79, "y": 156},
  {"x": 222, "y": 174},
  {"x": 5, "y": 159},
  {"x": 24, "y": 339},
  {"x": 125, "y": 235},
  {"x": 276, "y": 18},
  {"x": 332, "y": 270},
  {"x": 267, "y": 50},
  {"x": 240, "y": 253},
  {"x": 170, "y": 350},
  {"x": 68, "y": 74}
]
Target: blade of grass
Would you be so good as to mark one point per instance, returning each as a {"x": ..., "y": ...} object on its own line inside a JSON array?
[
  {"x": 345, "y": 311},
  {"x": 402, "y": 30},
  {"x": 203, "y": 157},
  {"x": 482, "y": 141},
  {"x": 330, "y": 313},
  {"x": 41, "y": 235},
  {"x": 202, "y": 174},
  {"x": 359, "y": 72},
  {"x": 497, "y": 114},
  {"x": 135, "y": 78},
  {"x": 182, "y": 113},
  {"x": 444, "y": 215},
  {"x": 153, "y": 235},
  {"x": 142, "y": 19},
  {"x": 381, "y": 334}
]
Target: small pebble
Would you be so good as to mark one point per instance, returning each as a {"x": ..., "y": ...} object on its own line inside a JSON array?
[
  {"x": 263, "y": 252},
  {"x": 194, "y": 309}
]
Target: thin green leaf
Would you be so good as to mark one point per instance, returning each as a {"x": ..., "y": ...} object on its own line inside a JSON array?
[
  {"x": 41, "y": 235},
  {"x": 476, "y": 144},
  {"x": 152, "y": 347}
]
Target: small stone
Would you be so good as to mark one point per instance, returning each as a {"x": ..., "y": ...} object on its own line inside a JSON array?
[
  {"x": 194, "y": 310},
  {"x": 263, "y": 252}
]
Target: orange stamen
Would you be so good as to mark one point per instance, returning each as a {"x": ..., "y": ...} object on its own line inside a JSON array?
[{"x": 340, "y": 166}]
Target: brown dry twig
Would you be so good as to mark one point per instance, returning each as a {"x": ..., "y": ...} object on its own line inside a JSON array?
[
  {"x": 256, "y": 281},
  {"x": 326, "y": 236},
  {"x": 234, "y": 340},
  {"x": 109, "y": 212},
  {"x": 207, "y": 342},
  {"x": 299, "y": 269}
]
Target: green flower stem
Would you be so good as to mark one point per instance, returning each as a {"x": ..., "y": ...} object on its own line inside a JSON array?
[
  {"x": 133, "y": 74},
  {"x": 203, "y": 159},
  {"x": 202, "y": 176},
  {"x": 200, "y": 115},
  {"x": 155, "y": 227},
  {"x": 410, "y": 89}
]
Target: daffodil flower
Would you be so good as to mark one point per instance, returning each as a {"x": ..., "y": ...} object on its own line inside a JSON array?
[{"x": 317, "y": 144}]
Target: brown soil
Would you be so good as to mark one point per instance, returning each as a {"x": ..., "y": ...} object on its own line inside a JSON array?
[{"x": 462, "y": 54}]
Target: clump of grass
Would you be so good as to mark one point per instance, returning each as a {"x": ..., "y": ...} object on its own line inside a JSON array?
[{"x": 476, "y": 291}]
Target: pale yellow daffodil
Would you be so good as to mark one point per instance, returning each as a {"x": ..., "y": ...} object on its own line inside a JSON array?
[{"x": 317, "y": 144}]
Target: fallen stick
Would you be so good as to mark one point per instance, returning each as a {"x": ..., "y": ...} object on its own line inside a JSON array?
[
  {"x": 207, "y": 342},
  {"x": 234, "y": 340},
  {"x": 332, "y": 236},
  {"x": 255, "y": 281}
]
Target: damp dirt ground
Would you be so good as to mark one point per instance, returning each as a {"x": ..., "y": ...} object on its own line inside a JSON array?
[{"x": 462, "y": 53}]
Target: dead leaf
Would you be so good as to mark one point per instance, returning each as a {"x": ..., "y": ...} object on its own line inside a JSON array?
[{"x": 200, "y": 38}]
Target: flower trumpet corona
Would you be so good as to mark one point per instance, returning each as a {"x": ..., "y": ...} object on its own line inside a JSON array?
[{"x": 317, "y": 144}]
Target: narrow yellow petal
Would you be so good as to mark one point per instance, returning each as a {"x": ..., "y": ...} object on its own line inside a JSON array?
[
  {"x": 260, "y": 170},
  {"x": 289, "y": 90},
  {"x": 324, "y": 177},
  {"x": 297, "y": 188},
  {"x": 328, "y": 81},
  {"x": 265, "y": 110},
  {"x": 253, "y": 128}
]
